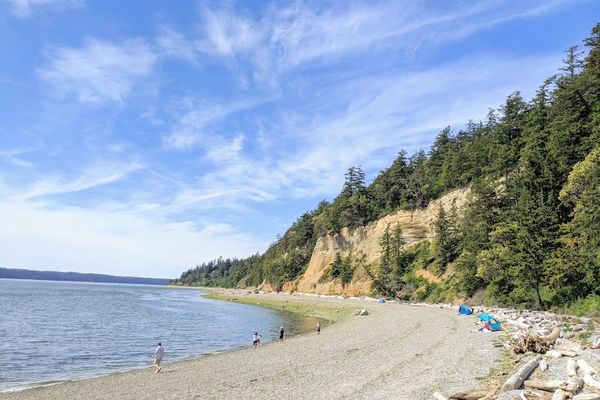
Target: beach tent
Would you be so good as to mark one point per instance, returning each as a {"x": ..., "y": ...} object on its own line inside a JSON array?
[
  {"x": 491, "y": 320},
  {"x": 465, "y": 310}
]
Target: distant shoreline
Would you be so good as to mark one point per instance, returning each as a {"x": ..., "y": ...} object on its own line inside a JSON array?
[{"x": 59, "y": 276}]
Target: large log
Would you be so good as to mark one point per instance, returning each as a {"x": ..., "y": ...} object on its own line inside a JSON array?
[
  {"x": 548, "y": 386},
  {"x": 516, "y": 380},
  {"x": 551, "y": 338}
]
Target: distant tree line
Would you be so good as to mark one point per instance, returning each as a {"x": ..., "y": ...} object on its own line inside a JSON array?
[{"x": 530, "y": 235}]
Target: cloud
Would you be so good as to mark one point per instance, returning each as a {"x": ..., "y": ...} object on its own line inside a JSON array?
[
  {"x": 300, "y": 35},
  {"x": 89, "y": 239},
  {"x": 195, "y": 118},
  {"x": 24, "y": 8},
  {"x": 94, "y": 176},
  {"x": 174, "y": 44},
  {"x": 98, "y": 71}
]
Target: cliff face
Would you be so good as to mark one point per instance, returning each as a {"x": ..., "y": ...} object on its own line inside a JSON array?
[{"x": 416, "y": 226}]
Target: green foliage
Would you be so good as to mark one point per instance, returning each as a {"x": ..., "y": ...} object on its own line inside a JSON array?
[
  {"x": 447, "y": 240},
  {"x": 586, "y": 306},
  {"x": 393, "y": 262},
  {"x": 342, "y": 268}
]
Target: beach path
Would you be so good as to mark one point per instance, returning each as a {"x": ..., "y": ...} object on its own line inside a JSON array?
[{"x": 396, "y": 352}]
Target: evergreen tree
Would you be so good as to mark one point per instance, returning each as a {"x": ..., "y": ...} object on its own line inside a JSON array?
[
  {"x": 575, "y": 269},
  {"x": 398, "y": 259}
]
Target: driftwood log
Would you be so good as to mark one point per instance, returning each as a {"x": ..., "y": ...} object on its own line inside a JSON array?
[
  {"x": 561, "y": 395},
  {"x": 551, "y": 338},
  {"x": 589, "y": 380},
  {"x": 568, "y": 353},
  {"x": 548, "y": 386},
  {"x": 574, "y": 384},
  {"x": 439, "y": 396},
  {"x": 587, "y": 396},
  {"x": 571, "y": 367},
  {"x": 473, "y": 394},
  {"x": 516, "y": 380},
  {"x": 554, "y": 353},
  {"x": 585, "y": 367}
]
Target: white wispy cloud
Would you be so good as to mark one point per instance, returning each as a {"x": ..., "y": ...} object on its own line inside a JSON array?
[
  {"x": 24, "y": 8},
  {"x": 93, "y": 176},
  {"x": 284, "y": 38},
  {"x": 193, "y": 120},
  {"x": 99, "y": 71}
]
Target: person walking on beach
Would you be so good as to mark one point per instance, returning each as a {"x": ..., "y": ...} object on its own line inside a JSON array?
[
  {"x": 255, "y": 340},
  {"x": 281, "y": 332},
  {"x": 318, "y": 328},
  {"x": 158, "y": 356}
]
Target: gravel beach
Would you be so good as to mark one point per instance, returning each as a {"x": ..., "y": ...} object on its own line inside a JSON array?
[{"x": 396, "y": 352}]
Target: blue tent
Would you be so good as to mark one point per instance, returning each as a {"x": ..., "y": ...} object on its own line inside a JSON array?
[
  {"x": 492, "y": 321},
  {"x": 465, "y": 310}
]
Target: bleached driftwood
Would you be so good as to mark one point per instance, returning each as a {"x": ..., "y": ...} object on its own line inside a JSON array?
[
  {"x": 473, "y": 394},
  {"x": 574, "y": 385},
  {"x": 554, "y": 354},
  {"x": 560, "y": 395},
  {"x": 439, "y": 396},
  {"x": 586, "y": 368},
  {"x": 548, "y": 386},
  {"x": 589, "y": 380},
  {"x": 568, "y": 353},
  {"x": 551, "y": 338},
  {"x": 516, "y": 380},
  {"x": 571, "y": 367},
  {"x": 587, "y": 396},
  {"x": 518, "y": 324}
]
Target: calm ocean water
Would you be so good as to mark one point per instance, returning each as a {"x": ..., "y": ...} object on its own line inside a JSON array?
[{"x": 52, "y": 331}]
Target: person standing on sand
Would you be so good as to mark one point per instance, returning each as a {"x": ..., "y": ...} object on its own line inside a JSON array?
[
  {"x": 318, "y": 328},
  {"x": 281, "y": 332},
  {"x": 158, "y": 356},
  {"x": 255, "y": 340}
]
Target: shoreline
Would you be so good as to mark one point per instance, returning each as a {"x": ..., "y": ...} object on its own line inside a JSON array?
[
  {"x": 396, "y": 351},
  {"x": 217, "y": 294}
]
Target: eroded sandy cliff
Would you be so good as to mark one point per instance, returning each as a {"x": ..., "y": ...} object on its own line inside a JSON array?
[{"x": 416, "y": 226}]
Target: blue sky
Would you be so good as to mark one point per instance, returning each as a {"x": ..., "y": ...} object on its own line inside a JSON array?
[{"x": 144, "y": 137}]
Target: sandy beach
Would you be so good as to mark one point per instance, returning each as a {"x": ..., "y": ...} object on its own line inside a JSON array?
[{"x": 396, "y": 352}]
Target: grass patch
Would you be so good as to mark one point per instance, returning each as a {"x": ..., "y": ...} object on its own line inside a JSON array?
[
  {"x": 589, "y": 306},
  {"x": 331, "y": 313}
]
